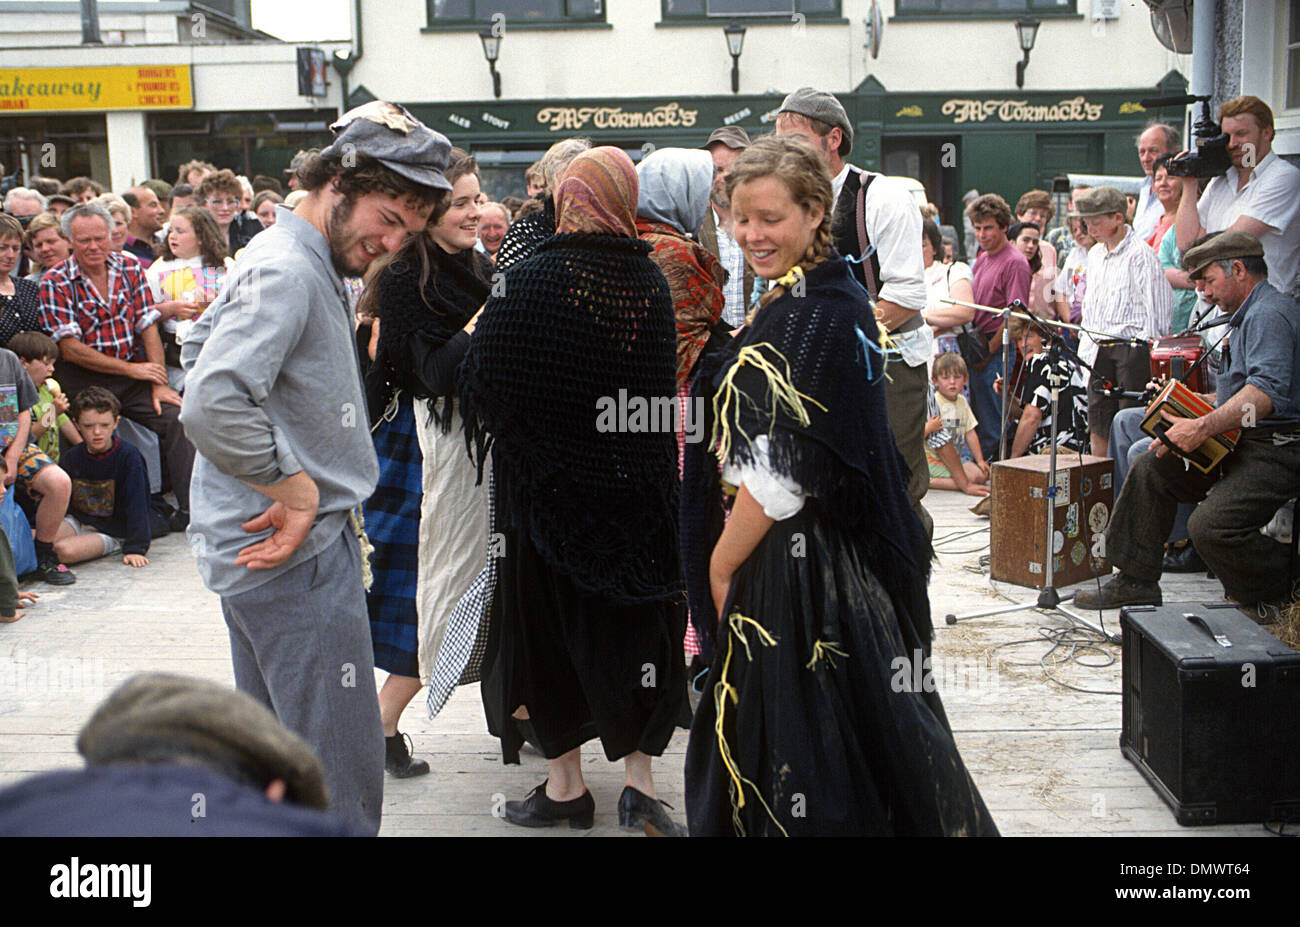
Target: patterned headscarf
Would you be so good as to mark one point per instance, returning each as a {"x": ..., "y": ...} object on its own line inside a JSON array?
[
  {"x": 597, "y": 194},
  {"x": 675, "y": 187}
]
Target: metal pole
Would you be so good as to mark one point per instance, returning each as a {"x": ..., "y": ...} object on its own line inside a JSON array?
[
  {"x": 1204, "y": 13},
  {"x": 90, "y": 23},
  {"x": 1203, "y": 44},
  {"x": 1048, "y": 596}
]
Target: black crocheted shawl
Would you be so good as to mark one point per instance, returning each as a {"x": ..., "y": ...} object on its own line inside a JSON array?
[
  {"x": 819, "y": 352},
  {"x": 457, "y": 287},
  {"x": 525, "y": 234},
  {"x": 583, "y": 327}
]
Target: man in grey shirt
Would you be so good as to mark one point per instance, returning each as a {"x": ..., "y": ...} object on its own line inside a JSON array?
[
  {"x": 1259, "y": 394},
  {"x": 274, "y": 405}
]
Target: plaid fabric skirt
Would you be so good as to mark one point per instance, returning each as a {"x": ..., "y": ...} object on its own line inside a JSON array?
[
  {"x": 691, "y": 644},
  {"x": 392, "y": 516}
]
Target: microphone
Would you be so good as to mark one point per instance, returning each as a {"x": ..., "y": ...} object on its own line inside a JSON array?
[
  {"x": 1114, "y": 392},
  {"x": 1214, "y": 322}
]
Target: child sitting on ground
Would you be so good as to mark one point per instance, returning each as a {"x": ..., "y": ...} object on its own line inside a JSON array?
[
  {"x": 10, "y": 597},
  {"x": 50, "y": 421},
  {"x": 949, "y": 376},
  {"x": 28, "y": 465},
  {"x": 110, "y": 487}
]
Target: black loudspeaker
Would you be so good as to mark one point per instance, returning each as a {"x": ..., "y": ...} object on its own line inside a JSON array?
[{"x": 1211, "y": 713}]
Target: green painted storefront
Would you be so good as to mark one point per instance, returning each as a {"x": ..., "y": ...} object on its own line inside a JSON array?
[{"x": 1003, "y": 142}]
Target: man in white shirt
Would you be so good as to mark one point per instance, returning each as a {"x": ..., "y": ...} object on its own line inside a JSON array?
[
  {"x": 1157, "y": 139},
  {"x": 724, "y": 146},
  {"x": 1259, "y": 194},
  {"x": 890, "y": 267},
  {"x": 1128, "y": 299}
]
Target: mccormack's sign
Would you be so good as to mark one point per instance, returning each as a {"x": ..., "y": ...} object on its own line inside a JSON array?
[
  {"x": 568, "y": 118},
  {"x": 1077, "y": 109}
]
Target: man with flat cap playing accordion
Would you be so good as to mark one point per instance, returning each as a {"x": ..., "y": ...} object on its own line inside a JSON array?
[{"x": 1258, "y": 393}]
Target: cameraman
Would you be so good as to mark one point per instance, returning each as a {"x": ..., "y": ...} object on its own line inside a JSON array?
[{"x": 1259, "y": 194}]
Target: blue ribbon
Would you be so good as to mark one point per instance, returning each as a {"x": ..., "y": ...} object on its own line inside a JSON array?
[{"x": 867, "y": 346}]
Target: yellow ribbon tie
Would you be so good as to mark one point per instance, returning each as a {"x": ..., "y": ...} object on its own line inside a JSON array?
[
  {"x": 827, "y": 651},
  {"x": 792, "y": 276},
  {"x": 737, "y": 622},
  {"x": 722, "y": 693},
  {"x": 783, "y": 392}
]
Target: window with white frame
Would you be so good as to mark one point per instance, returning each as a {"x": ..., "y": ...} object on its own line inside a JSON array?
[
  {"x": 559, "y": 12},
  {"x": 1293, "y": 57}
]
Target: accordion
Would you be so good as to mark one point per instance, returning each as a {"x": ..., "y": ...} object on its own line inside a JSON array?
[
  {"x": 1182, "y": 402},
  {"x": 1173, "y": 357}
]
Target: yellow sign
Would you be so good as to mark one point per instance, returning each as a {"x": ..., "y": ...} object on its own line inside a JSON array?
[{"x": 44, "y": 90}]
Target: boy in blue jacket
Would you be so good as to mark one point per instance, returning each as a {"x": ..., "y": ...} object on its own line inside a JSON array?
[{"x": 109, "y": 511}]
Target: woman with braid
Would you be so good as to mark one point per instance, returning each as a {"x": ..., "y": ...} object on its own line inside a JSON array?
[
  {"x": 426, "y": 519},
  {"x": 567, "y": 380},
  {"x": 807, "y": 725}
]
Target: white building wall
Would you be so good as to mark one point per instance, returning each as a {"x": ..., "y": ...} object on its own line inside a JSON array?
[
  {"x": 636, "y": 58},
  {"x": 1265, "y": 26},
  {"x": 128, "y": 149},
  {"x": 56, "y": 28}
]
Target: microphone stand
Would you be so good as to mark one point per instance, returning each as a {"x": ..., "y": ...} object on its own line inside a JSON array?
[
  {"x": 1019, "y": 310},
  {"x": 1048, "y": 597}
]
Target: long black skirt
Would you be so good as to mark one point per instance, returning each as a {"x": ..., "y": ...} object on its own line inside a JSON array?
[
  {"x": 820, "y": 731},
  {"x": 584, "y": 667}
]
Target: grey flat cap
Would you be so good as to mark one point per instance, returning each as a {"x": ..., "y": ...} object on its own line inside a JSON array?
[
  {"x": 394, "y": 138},
  {"x": 298, "y": 159},
  {"x": 161, "y": 713},
  {"x": 818, "y": 104},
  {"x": 1100, "y": 201},
  {"x": 731, "y": 136},
  {"x": 1222, "y": 246}
]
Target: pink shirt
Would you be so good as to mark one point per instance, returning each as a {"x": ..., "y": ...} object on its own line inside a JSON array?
[{"x": 998, "y": 280}]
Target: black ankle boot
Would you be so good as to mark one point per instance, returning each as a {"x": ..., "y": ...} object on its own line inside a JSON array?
[
  {"x": 635, "y": 807},
  {"x": 539, "y": 811},
  {"x": 397, "y": 758}
]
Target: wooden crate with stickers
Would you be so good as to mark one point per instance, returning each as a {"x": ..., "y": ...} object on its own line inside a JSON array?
[{"x": 1018, "y": 531}]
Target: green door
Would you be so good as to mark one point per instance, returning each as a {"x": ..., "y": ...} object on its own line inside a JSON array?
[{"x": 1068, "y": 154}]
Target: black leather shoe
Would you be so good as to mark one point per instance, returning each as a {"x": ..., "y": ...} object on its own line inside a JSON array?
[
  {"x": 539, "y": 811},
  {"x": 397, "y": 758},
  {"x": 635, "y": 807},
  {"x": 1183, "y": 559}
]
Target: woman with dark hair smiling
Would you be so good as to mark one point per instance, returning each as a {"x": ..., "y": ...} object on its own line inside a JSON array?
[
  {"x": 427, "y": 519},
  {"x": 1028, "y": 239}
]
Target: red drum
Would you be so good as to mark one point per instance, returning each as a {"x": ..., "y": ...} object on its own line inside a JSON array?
[{"x": 1172, "y": 357}]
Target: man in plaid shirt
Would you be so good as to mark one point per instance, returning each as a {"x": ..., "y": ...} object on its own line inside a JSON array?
[{"x": 98, "y": 307}]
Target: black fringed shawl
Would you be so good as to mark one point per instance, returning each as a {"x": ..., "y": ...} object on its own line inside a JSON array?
[
  {"x": 585, "y": 320},
  {"x": 844, "y": 455},
  {"x": 525, "y": 234},
  {"x": 457, "y": 287}
]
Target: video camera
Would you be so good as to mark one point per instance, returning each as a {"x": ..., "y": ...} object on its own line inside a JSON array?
[{"x": 1210, "y": 158}]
